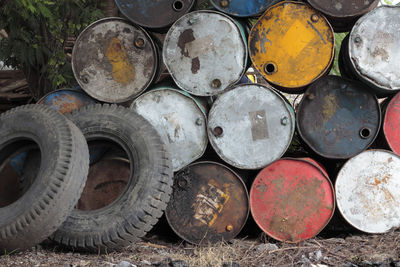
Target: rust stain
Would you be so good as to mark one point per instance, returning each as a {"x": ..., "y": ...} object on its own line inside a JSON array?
[
  {"x": 330, "y": 107},
  {"x": 67, "y": 105},
  {"x": 186, "y": 37},
  {"x": 122, "y": 70},
  {"x": 295, "y": 206},
  {"x": 195, "y": 65},
  {"x": 380, "y": 52}
]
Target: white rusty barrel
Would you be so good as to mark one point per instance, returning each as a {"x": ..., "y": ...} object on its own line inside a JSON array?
[
  {"x": 250, "y": 126},
  {"x": 114, "y": 60},
  {"x": 373, "y": 49},
  {"x": 367, "y": 191},
  {"x": 205, "y": 52},
  {"x": 179, "y": 119}
]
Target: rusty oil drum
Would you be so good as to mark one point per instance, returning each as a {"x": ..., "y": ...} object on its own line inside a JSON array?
[
  {"x": 243, "y": 8},
  {"x": 179, "y": 119},
  {"x": 154, "y": 13},
  {"x": 250, "y": 126},
  {"x": 206, "y": 52},
  {"x": 367, "y": 191},
  {"x": 292, "y": 200},
  {"x": 209, "y": 203},
  {"x": 343, "y": 14},
  {"x": 338, "y": 118},
  {"x": 372, "y": 52},
  {"x": 66, "y": 100},
  {"x": 391, "y": 123},
  {"x": 291, "y": 45},
  {"x": 114, "y": 61}
]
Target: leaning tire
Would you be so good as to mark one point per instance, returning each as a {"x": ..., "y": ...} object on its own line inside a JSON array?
[
  {"x": 64, "y": 164},
  {"x": 146, "y": 194}
]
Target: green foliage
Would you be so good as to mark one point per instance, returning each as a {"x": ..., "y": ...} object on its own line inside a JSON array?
[
  {"x": 37, "y": 33},
  {"x": 338, "y": 43}
]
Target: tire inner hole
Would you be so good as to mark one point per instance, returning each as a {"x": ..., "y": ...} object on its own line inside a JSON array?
[
  {"x": 20, "y": 165},
  {"x": 109, "y": 175}
]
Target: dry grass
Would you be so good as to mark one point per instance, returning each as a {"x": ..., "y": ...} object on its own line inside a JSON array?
[{"x": 358, "y": 249}]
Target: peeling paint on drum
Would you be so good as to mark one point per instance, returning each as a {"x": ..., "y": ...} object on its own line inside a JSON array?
[
  {"x": 205, "y": 52},
  {"x": 338, "y": 118},
  {"x": 154, "y": 13},
  {"x": 391, "y": 124},
  {"x": 250, "y": 126},
  {"x": 374, "y": 49},
  {"x": 367, "y": 191},
  {"x": 66, "y": 100},
  {"x": 291, "y": 45},
  {"x": 209, "y": 203},
  {"x": 292, "y": 200},
  {"x": 343, "y": 14},
  {"x": 114, "y": 61},
  {"x": 180, "y": 121},
  {"x": 243, "y": 8}
]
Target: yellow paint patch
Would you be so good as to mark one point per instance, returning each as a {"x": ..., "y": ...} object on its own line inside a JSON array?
[
  {"x": 294, "y": 41},
  {"x": 123, "y": 71},
  {"x": 329, "y": 107},
  {"x": 301, "y": 49}
]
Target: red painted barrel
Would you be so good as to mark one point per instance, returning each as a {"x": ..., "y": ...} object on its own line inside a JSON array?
[
  {"x": 391, "y": 124},
  {"x": 292, "y": 200}
]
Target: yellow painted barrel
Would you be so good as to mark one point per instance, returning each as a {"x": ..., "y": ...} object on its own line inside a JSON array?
[{"x": 292, "y": 45}]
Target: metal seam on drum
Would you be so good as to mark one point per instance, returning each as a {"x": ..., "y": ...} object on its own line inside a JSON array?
[
  {"x": 367, "y": 191},
  {"x": 154, "y": 14},
  {"x": 179, "y": 119},
  {"x": 243, "y": 8},
  {"x": 338, "y": 119},
  {"x": 291, "y": 45},
  {"x": 292, "y": 200},
  {"x": 373, "y": 49},
  {"x": 66, "y": 100},
  {"x": 250, "y": 126},
  {"x": 205, "y": 52},
  {"x": 114, "y": 60},
  {"x": 209, "y": 203}
]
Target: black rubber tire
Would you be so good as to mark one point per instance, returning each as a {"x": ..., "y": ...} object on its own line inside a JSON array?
[
  {"x": 61, "y": 178},
  {"x": 146, "y": 195}
]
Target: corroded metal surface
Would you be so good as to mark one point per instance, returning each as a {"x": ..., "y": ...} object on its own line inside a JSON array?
[
  {"x": 114, "y": 61},
  {"x": 106, "y": 181},
  {"x": 205, "y": 52},
  {"x": 291, "y": 45},
  {"x": 154, "y": 13},
  {"x": 66, "y": 100},
  {"x": 367, "y": 191},
  {"x": 180, "y": 121},
  {"x": 338, "y": 118},
  {"x": 374, "y": 49},
  {"x": 250, "y": 126},
  {"x": 391, "y": 124},
  {"x": 342, "y": 14},
  {"x": 209, "y": 203},
  {"x": 292, "y": 200},
  {"x": 243, "y": 8}
]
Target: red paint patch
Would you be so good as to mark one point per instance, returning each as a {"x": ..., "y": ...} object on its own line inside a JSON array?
[{"x": 297, "y": 200}]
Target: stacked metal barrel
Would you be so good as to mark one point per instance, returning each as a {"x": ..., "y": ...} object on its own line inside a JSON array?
[{"x": 216, "y": 127}]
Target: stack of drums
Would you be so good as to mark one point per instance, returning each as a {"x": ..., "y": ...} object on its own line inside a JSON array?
[{"x": 204, "y": 111}]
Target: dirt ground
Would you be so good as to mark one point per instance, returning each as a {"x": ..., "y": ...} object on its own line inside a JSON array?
[{"x": 161, "y": 248}]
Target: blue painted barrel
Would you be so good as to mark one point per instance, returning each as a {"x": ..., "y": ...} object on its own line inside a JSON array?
[
  {"x": 243, "y": 8},
  {"x": 67, "y": 100}
]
